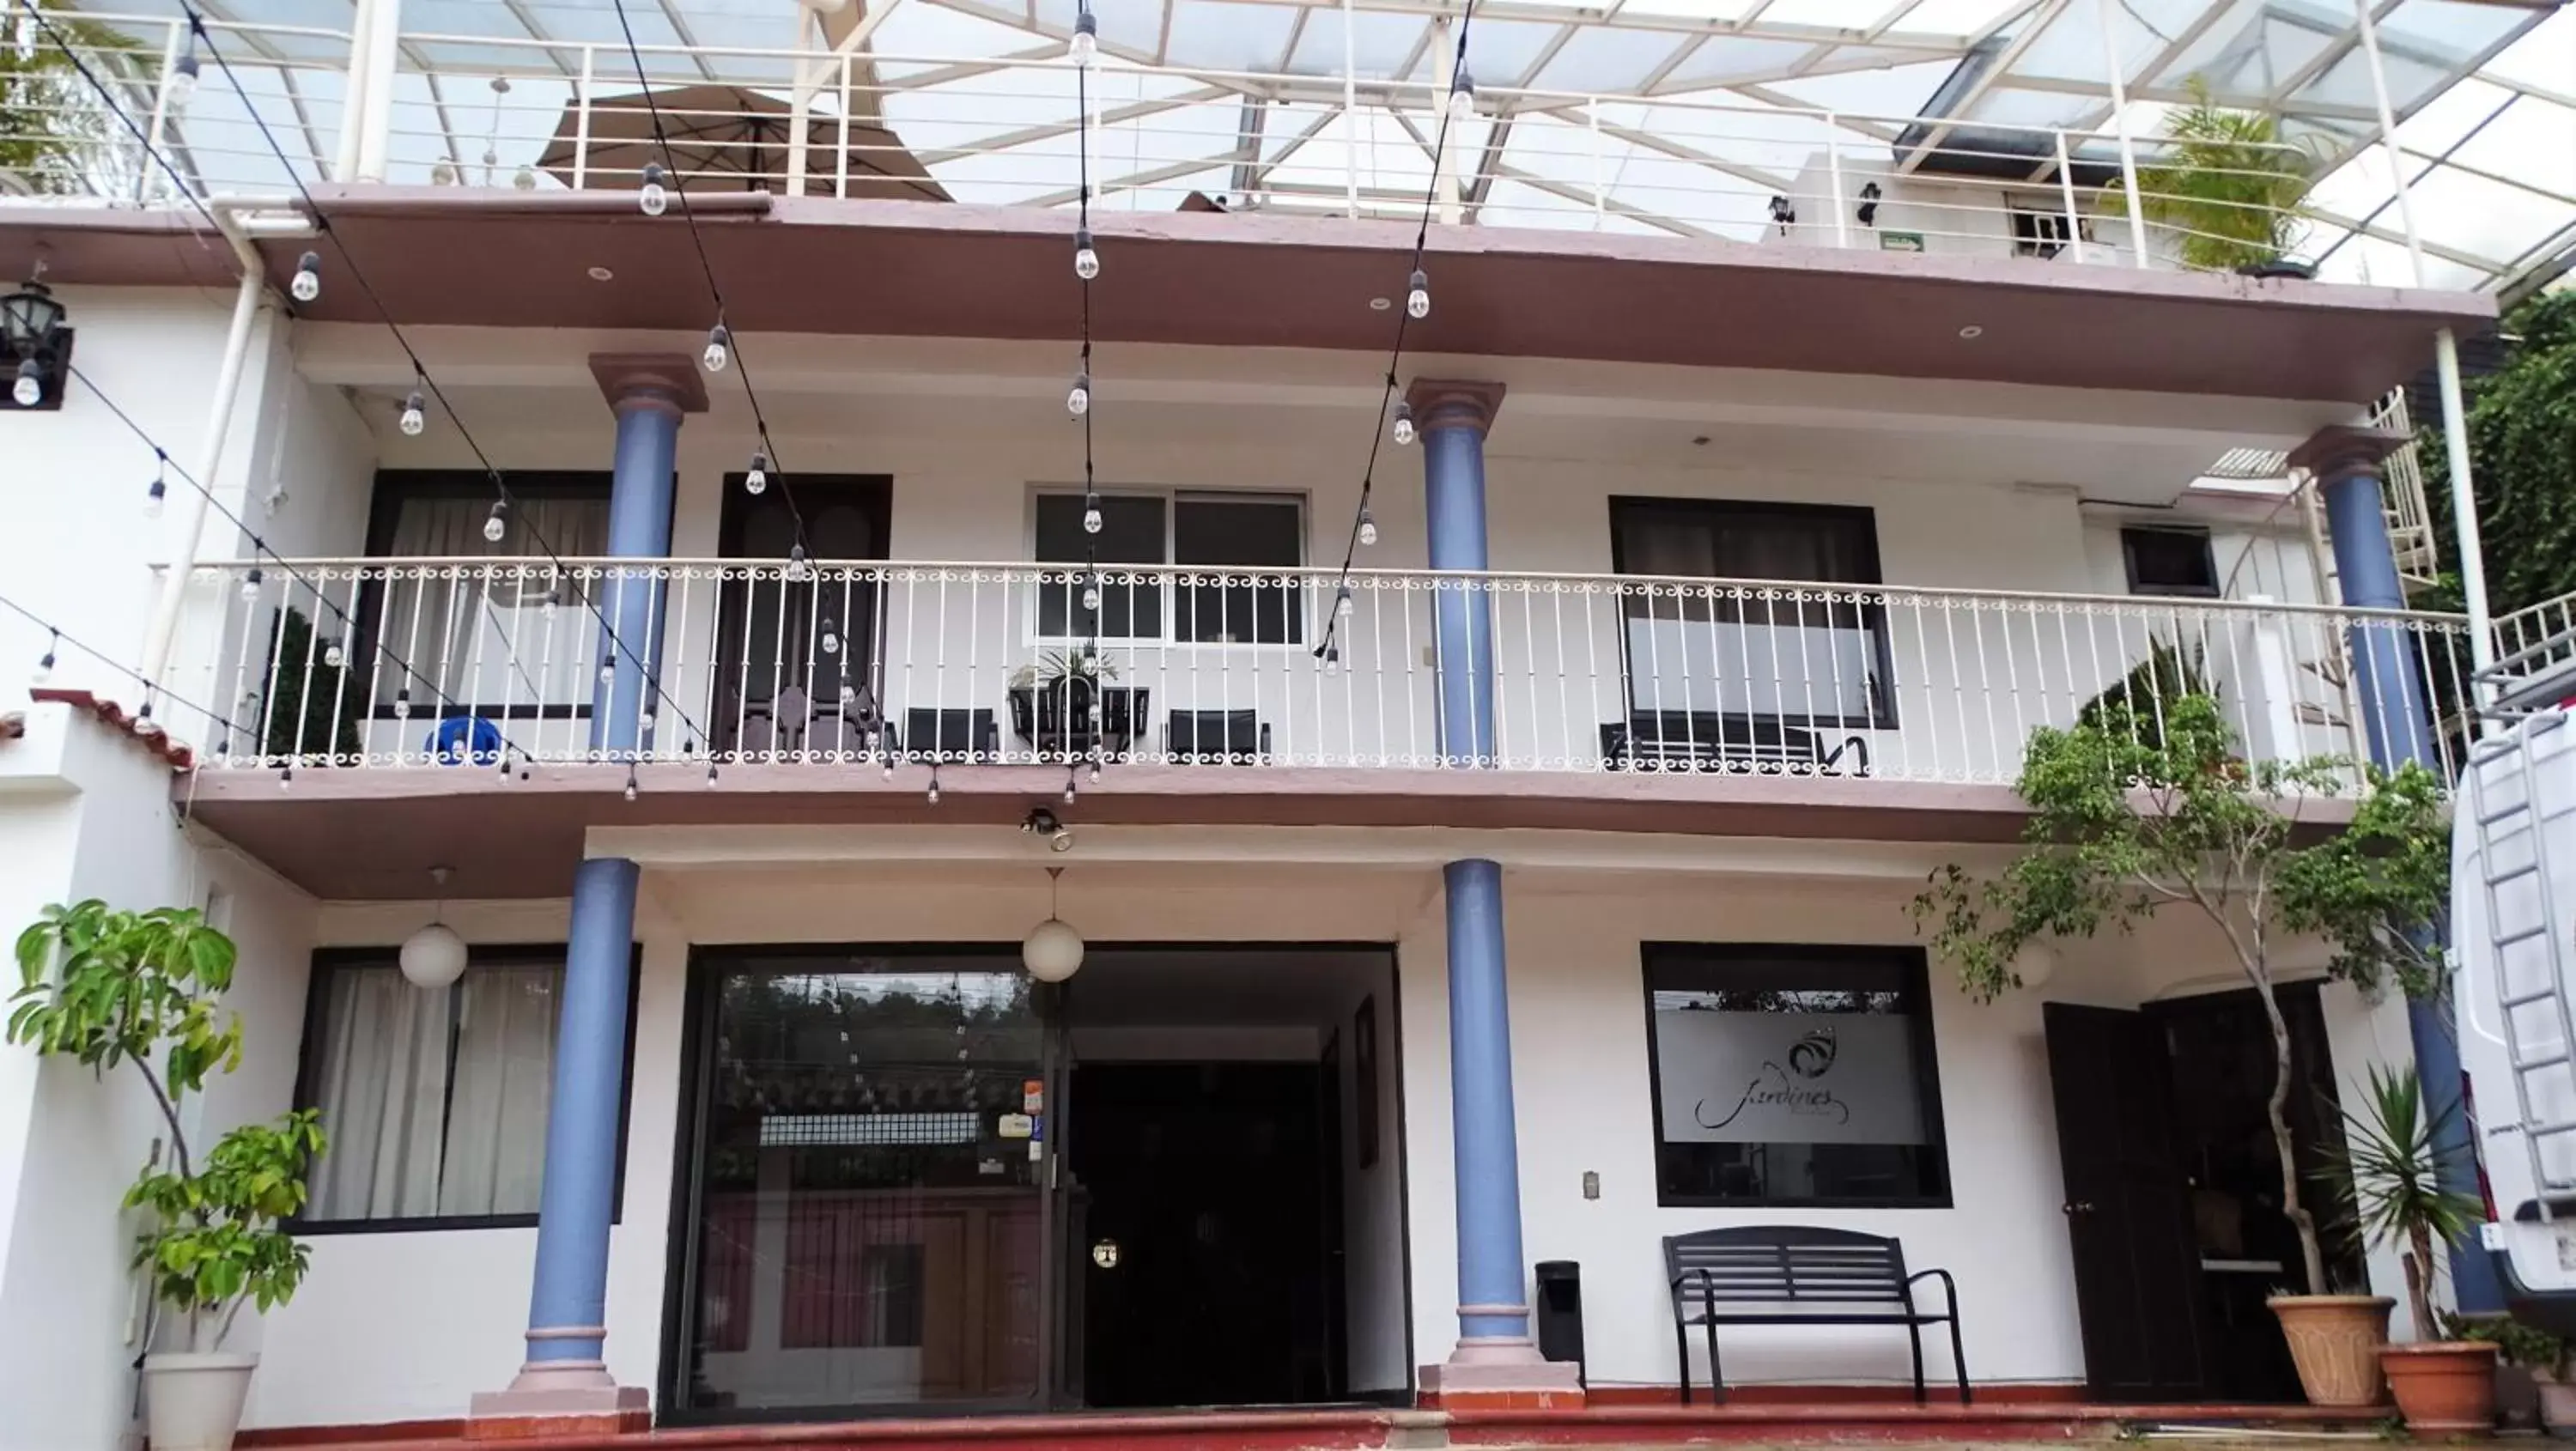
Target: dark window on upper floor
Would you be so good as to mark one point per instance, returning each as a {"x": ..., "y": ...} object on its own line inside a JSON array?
[{"x": 2165, "y": 561}]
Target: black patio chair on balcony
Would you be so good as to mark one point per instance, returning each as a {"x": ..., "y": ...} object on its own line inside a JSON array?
[
  {"x": 1690, "y": 740},
  {"x": 1217, "y": 737},
  {"x": 949, "y": 736}
]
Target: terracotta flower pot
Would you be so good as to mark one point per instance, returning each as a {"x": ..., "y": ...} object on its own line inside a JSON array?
[
  {"x": 2335, "y": 1342},
  {"x": 2443, "y": 1388}
]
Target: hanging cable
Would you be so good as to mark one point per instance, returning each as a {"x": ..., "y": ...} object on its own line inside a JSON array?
[
  {"x": 722, "y": 348},
  {"x": 1456, "y": 106},
  {"x": 57, "y": 637},
  {"x": 421, "y": 374},
  {"x": 349, "y": 627},
  {"x": 141, "y": 138},
  {"x": 1086, "y": 270}
]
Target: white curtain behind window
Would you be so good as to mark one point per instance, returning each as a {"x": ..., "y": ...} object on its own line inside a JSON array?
[
  {"x": 383, "y": 1091},
  {"x": 496, "y": 1120},
  {"x": 489, "y": 642}
]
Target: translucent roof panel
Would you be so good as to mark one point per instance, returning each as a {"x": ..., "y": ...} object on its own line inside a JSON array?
[{"x": 1684, "y": 117}]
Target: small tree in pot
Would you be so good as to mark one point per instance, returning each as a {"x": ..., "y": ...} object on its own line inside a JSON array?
[
  {"x": 107, "y": 988},
  {"x": 2128, "y": 824},
  {"x": 2389, "y": 1180}
]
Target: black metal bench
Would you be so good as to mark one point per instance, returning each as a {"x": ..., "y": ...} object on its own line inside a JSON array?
[
  {"x": 1679, "y": 740},
  {"x": 1793, "y": 1275}
]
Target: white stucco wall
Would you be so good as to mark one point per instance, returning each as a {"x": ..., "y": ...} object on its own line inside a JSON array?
[{"x": 86, "y": 813}]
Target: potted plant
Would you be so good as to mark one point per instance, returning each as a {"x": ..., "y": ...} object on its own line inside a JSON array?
[
  {"x": 1056, "y": 699},
  {"x": 2543, "y": 1355},
  {"x": 2227, "y": 187},
  {"x": 2389, "y": 1179},
  {"x": 2128, "y": 824},
  {"x": 107, "y": 988}
]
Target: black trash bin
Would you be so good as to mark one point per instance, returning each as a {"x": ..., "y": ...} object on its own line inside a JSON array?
[{"x": 1560, "y": 1313}]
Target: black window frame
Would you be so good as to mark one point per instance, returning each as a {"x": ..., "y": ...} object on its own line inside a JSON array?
[
  {"x": 1862, "y": 520},
  {"x": 2129, "y": 541},
  {"x": 308, "y": 1069},
  {"x": 1914, "y": 967},
  {"x": 1177, "y": 607},
  {"x": 393, "y": 488}
]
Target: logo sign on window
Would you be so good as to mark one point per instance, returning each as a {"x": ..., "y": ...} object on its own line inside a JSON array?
[{"x": 1787, "y": 1078}]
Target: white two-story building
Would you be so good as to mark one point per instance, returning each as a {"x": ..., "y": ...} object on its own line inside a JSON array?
[{"x": 976, "y": 900}]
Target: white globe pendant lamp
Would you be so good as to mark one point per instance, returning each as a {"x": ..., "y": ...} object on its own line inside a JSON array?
[
  {"x": 433, "y": 956},
  {"x": 1053, "y": 950},
  {"x": 2035, "y": 963}
]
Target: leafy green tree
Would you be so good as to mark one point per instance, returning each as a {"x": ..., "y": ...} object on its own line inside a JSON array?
[
  {"x": 2522, "y": 450},
  {"x": 58, "y": 136},
  {"x": 107, "y": 988},
  {"x": 2124, "y": 828}
]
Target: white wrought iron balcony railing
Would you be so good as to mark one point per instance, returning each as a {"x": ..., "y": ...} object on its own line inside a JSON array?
[
  {"x": 425, "y": 662},
  {"x": 497, "y": 111}
]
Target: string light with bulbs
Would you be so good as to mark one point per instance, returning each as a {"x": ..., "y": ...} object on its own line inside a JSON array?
[
  {"x": 1394, "y": 414},
  {"x": 335, "y": 652},
  {"x": 426, "y": 389},
  {"x": 1085, "y": 52},
  {"x": 56, "y": 637}
]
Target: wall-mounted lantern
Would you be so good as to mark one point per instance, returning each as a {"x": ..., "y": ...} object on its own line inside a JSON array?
[
  {"x": 35, "y": 346},
  {"x": 1869, "y": 195},
  {"x": 1784, "y": 212}
]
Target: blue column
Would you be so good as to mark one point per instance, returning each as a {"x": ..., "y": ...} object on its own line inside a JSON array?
[
  {"x": 567, "y": 1309},
  {"x": 1453, "y": 481},
  {"x": 1492, "y": 1301},
  {"x": 1493, "y": 1298},
  {"x": 639, "y": 527},
  {"x": 2398, "y": 727}
]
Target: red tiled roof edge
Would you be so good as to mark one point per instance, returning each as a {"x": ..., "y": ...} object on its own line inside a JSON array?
[{"x": 146, "y": 731}]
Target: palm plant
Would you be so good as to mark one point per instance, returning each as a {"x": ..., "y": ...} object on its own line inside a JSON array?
[
  {"x": 2388, "y": 1179},
  {"x": 2225, "y": 183}
]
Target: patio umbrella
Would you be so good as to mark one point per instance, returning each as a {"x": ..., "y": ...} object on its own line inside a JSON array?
[{"x": 729, "y": 138}]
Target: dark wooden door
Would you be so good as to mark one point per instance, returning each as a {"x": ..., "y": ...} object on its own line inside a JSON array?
[
  {"x": 783, "y": 648},
  {"x": 2128, "y": 1206}
]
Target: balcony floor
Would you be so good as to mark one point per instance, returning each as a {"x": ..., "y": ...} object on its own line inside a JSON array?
[{"x": 374, "y": 833}]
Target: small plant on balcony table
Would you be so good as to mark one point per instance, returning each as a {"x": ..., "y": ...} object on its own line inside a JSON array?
[
  {"x": 108, "y": 988},
  {"x": 2127, "y": 825},
  {"x": 2225, "y": 183}
]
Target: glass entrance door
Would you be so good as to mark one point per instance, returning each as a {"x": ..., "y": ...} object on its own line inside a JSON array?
[{"x": 867, "y": 1205}]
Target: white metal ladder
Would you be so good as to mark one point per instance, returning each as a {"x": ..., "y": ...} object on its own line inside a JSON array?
[{"x": 2528, "y": 951}]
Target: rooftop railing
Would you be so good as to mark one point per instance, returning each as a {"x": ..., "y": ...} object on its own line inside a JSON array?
[
  {"x": 539, "y": 115},
  {"x": 360, "y": 664}
]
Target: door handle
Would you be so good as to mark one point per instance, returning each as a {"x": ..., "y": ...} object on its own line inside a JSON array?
[{"x": 2080, "y": 1206}]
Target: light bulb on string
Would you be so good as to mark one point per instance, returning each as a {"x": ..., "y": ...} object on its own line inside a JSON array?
[
  {"x": 1091, "y": 597},
  {"x": 607, "y": 672},
  {"x": 630, "y": 781},
  {"x": 831, "y": 641},
  {"x": 45, "y": 663},
  {"x": 1405, "y": 431},
  {"x": 1094, "y": 778},
  {"x": 799, "y": 568},
  {"x": 1462, "y": 96},
  {"x": 308, "y": 278},
  {"x": 29, "y": 390},
  {"x": 711, "y": 775},
  {"x": 849, "y": 692},
  {"x": 1417, "y": 296},
  {"x": 159, "y": 494},
  {"x": 496, "y": 523},
  {"x": 1086, "y": 259},
  {"x": 1078, "y": 401},
  {"x": 414, "y": 416},
  {"x": 1332, "y": 658},
  {"x": 758, "y": 478},
  {"x": 1342, "y": 602},
  {"x": 1085, "y": 48},
  {"x": 1368, "y": 528},
  {"x": 250, "y": 584},
  {"x": 335, "y": 655},
  {"x": 644, "y": 720},
  {"x": 654, "y": 198},
  {"x": 719, "y": 349},
  {"x": 1091, "y": 513},
  {"x": 183, "y": 74},
  {"x": 402, "y": 703}
]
